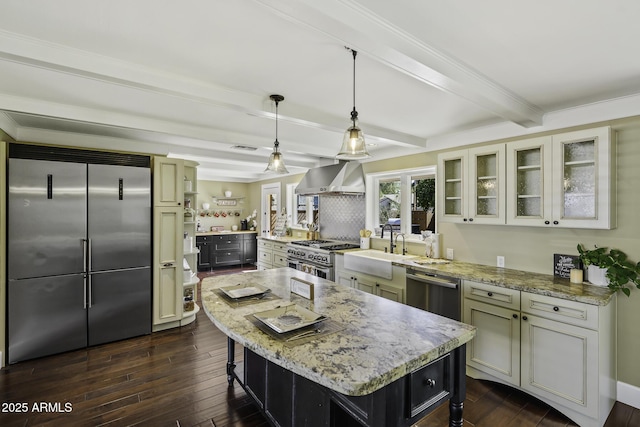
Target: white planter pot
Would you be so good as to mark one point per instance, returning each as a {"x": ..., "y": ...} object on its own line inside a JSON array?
[{"x": 597, "y": 276}]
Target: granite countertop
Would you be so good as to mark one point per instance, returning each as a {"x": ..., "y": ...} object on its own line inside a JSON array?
[
  {"x": 218, "y": 233},
  {"x": 542, "y": 284},
  {"x": 381, "y": 340}
]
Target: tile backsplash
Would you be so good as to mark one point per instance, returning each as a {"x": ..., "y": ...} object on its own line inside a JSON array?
[{"x": 341, "y": 216}]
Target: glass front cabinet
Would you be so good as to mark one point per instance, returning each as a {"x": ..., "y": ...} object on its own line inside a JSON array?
[
  {"x": 472, "y": 185},
  {"x": 564, "y": 180}
]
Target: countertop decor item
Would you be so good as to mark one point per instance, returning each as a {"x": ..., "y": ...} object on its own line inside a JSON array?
[
  {"x": 276, "y": 162},
  {"x": 619, "y": 270}
]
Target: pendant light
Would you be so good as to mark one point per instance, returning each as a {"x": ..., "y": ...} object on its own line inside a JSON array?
[
  {"x": 276, "y": 162},
  {"x": 353, "y": 145}
]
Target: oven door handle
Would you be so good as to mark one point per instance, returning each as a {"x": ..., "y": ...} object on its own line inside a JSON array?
[{"x": 432, "y": 280}]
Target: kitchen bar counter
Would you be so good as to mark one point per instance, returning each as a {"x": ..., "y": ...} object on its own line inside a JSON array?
[
  {"x": 373, "y": 362},
  {"x": 381, "y": 340}
]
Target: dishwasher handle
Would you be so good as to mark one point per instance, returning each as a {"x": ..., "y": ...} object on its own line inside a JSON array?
[{"x": 433, "y": 280}]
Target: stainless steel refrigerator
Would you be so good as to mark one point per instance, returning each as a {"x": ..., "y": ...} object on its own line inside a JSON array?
[{"x": 79, "y": 255}]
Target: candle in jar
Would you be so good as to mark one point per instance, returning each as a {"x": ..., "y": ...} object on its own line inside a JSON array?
[{"x": 575, "y": 275}]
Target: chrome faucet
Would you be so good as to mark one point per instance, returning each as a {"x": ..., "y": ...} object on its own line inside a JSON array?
[
  {"x": 391, "y": 245},
  {"x": 404, "y": 251}
]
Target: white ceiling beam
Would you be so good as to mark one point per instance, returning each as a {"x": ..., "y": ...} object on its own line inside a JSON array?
[
  {"x": 357, "y": 27},
  {"x": 62, "y": 59}
]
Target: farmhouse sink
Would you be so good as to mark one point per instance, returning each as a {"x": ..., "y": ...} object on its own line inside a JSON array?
[{"x": 375, "y": 263}]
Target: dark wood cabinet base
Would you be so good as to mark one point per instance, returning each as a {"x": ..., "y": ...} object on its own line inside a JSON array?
[{"x": 288, "y": 399}]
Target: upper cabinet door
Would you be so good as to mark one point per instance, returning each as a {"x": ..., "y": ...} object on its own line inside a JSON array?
[
  {"x": 168, "y": 181},
  {"x": 471, "y": 185},
  {"x": 565, "y": 180},
  {"x": 584, "y": 179},
  {"x": 529, "y": 182}
]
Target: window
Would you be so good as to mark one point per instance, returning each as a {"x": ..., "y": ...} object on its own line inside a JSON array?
[
  {"x": 404, "y": 199},
  {"x": 301, "y": 210}
]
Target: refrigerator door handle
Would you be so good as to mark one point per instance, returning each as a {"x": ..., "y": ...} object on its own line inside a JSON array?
[
  {"x": 88, "y": 255},
  {"x": 89, "y": 283},
  {"x": 85, "y": 245},
  {"x": 84, "y": 288}
]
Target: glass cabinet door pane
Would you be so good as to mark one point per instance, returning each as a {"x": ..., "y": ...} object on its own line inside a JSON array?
[
  {"x": 529, "y": 185},
  {"x": 579, "y": 185},
  {"x": 453, "y": 187},
  {"x": 486, "y": 185}
]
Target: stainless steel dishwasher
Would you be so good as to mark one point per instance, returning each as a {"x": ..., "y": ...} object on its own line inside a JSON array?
[{"x": 435, "y": 293}]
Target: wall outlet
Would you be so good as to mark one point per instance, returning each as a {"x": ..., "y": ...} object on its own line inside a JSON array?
[
  {"x": 500, "y": 261},
  {"x": 449, "y": 253}
]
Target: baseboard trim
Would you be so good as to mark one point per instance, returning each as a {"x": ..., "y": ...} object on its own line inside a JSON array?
[{"x": 628, "y": 394}]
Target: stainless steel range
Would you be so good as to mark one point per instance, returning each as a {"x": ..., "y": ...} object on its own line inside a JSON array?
[{"x": 316, "y": 256}]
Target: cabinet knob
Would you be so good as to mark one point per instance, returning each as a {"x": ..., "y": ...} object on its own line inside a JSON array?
[
  {"x": 555, "y": 223},
  {"x": 430, "y": 382},
  {"x": 464, "y": 219},
  {"x": 556, "y": 308},
  {"x": 515, "y": 316},
  {"x": 490, "y": 294},
  {"x": 547, "y": 222},
  {"x": 525, "y": 318},
  {"x": 470, "y": 219}
]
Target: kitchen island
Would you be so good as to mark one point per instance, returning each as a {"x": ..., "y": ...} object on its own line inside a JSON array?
[{"x": 379, "y": 363}]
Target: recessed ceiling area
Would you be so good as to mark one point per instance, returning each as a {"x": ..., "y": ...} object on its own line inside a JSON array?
[{"x": 193, "y": 78}]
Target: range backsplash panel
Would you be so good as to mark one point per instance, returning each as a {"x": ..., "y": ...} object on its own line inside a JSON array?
[{"x": 341, "y": 216}]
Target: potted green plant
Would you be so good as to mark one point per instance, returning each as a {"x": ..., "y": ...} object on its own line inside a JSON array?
[{"x": 619, "y": 270}]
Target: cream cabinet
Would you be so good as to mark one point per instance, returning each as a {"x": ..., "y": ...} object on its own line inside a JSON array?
[
  {"x": 471, "y": 185},
  {"x": 496, "y": 313},
  {"x": 174, "y": 294},
  {"x": 167, "y": 266},
  {"x": 557, "y": 350},
  {"x": 168, "y": 181},
  {"x": 564, "y": 180},
  {"x": 271, "y": 254},
  {"x": 394, "y": 289}
]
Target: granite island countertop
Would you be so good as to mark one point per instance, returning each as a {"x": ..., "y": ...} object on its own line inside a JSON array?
[{"x": 380, "y": 340}]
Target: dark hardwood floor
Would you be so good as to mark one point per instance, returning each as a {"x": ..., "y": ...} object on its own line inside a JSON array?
[{"x": 177, "y": 378}]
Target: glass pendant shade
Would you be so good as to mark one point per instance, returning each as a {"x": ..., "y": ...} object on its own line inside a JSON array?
[
  {"x": 353, "y": 145},
  {"x": 276, "y": 162}
]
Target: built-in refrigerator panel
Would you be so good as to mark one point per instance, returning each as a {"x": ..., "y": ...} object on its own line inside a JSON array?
[
  {"x": 120, "y": 305},
  {"x": 47, "y": 218},
  {"x": 47, "y": 316},
  {"x": 119, "y": 218}
]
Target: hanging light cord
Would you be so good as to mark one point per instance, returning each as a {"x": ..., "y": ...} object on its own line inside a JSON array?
[
  {"x": 354, "y": 113},
  {"x": 276, "y": 143}
]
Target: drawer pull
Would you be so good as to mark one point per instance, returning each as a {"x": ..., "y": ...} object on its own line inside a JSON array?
[
  {"x": 556, "y": 308},
  {"x": 490, "y": 294},
  {"x": 515, "y": 316},
  {"x": 525, "y": 318},
  {"x": 431, "y": 382}
]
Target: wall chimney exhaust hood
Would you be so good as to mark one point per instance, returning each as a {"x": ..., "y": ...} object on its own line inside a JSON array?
[{"x": 343, "y": 177}]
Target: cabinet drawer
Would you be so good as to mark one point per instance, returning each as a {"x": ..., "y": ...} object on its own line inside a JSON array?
[
  {"x": 227, "y": 238},
  {"x": 249, "y": 236},
  {"x": 503, "y": 297},
  {"x": 571, "y": 312},
  {"x": 281, "y": 247},
  {"x": 265, "y": 244},
  {"x": 430, "y": 384},
  {"x": 265, "y": 257},
  {"x": 227, "y": 258},
  {"x": 279, "y": 259},
  {"x": 202, "y": 239},
  {"x": 228, "y": 245}
]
